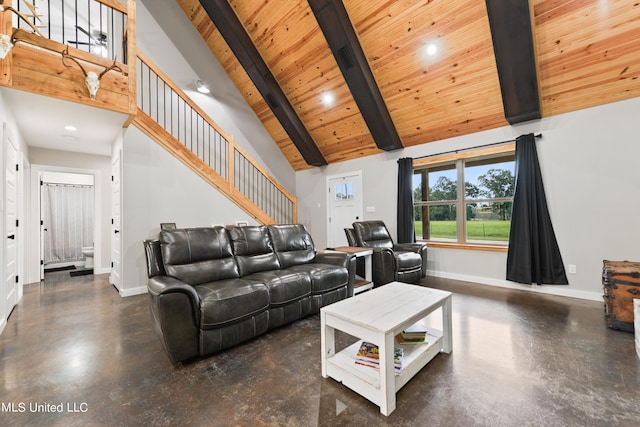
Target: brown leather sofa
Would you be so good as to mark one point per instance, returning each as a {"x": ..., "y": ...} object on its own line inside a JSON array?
[
  {"x": 212, "y": 288},
  {"x": 402, "y": 262}
]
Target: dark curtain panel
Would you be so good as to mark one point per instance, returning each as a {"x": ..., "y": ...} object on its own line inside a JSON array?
[
  {"x": 406, "y": 233},
  {"x": 534, "y": 256}
]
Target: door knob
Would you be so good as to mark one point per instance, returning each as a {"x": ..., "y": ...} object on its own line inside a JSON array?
[
  {"x": 12, "y": 237},
  {"x": 116, "y": 231}
]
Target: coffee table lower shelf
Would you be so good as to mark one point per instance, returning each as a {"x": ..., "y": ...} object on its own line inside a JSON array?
[{"x": 365, "y": 380}]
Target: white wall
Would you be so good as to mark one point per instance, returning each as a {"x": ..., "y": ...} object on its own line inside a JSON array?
[
  {"x": 589, "y": 163},
  {"x": 43, "y": 159},
  {"x": 182, "y": 54},
  {"x": 159, "y": 188}
]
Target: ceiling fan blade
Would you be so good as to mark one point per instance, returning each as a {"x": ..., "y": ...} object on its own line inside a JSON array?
[{"x": 84, "y": 31}]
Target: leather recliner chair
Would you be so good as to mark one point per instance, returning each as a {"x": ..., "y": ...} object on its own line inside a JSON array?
[
  {"x": 351, "y": 237},
  {"x": 402, "y": 262}
]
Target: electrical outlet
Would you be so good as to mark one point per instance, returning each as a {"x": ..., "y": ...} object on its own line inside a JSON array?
[{"x": 572, "y": 269}]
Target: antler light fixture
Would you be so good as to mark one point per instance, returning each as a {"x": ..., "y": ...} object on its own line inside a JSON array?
[
  {"x": 91, "y": 79},
  {"x": 6, "y": 41}
]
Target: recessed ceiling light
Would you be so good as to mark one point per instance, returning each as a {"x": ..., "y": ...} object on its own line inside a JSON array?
[
  {"x": 431, "y": 49},
  {"x": 70, "y": 128},
  {"x": 202, "y": 87},
  {"x": 327, "y": 99}
]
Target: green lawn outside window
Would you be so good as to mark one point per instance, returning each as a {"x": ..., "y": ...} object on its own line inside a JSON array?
[{"x": 487, "y": 230}]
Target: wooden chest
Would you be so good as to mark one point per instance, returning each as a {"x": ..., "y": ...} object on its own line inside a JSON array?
[{"x": 621, "y": 281}]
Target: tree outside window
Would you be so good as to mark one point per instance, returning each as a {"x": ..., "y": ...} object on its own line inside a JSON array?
[{"x": 485, "y": 200}]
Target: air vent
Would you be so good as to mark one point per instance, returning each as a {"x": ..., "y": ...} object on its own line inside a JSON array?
[
  {"x": 273, "y": 104},
  {"x": 344, "y": 58}
]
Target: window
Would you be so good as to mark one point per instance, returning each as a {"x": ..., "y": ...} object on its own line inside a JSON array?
[
  {"x": 465, "y": 199},
  {"x": 344, "y": 191}
]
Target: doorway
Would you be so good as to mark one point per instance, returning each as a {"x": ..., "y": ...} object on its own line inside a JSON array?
[
  {"x": 36, "y": 253},
  {"x": 344, "y": 205},
  {"x": 67, "y": 203}
]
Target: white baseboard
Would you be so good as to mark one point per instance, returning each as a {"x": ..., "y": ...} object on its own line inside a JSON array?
[
  {"x": 563, "y": 291},
  {"x": 134, "y": 291}
]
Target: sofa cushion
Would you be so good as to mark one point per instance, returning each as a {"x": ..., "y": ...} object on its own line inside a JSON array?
[
  {"x": 198, "y": 255},
  {"x": 284, "y": 286},
  {"x": 407, "y": 260},
  {"x": 253, "y": 249},
  {"x": 231, "y": 300},
  {"x": 293, "y": 244},
  {"x": 324, "y": 277}
]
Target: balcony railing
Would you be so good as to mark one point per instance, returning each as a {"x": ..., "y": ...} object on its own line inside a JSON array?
[
  {"x": 169, "y": 116},
  {"x": 94, "y": 26}
]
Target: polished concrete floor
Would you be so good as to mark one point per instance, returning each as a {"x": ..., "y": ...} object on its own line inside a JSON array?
[{"x": 519, "y": 359}]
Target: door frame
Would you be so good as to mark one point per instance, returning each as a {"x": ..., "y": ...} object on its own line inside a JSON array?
[
  {"x": 360, "y": 200},
  {"x": 115, "y": 276},
  {"x": 34, "y": 255}
]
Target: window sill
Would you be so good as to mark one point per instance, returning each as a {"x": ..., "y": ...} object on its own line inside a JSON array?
[{"x": 466, "y": 246}]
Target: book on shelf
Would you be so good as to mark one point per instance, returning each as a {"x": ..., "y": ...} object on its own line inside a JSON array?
[
  {"x": 415, "y": 334},
  {"x": 369, "y": 355}
]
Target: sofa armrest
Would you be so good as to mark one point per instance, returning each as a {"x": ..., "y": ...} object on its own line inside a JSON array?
[
  {"x": 159, "y": 285},
  {"x": 409, "y": 247},
  {"x": 175, "y": 315},
  {"x": 341, "y": 259},
  {"x": 383, "y": 266},
  {"x": 336, "y": 258},
  {"x": 420, "y": 248}
]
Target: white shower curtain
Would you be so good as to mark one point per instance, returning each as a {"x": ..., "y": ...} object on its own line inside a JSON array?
[{"x": 67, "y": 212}]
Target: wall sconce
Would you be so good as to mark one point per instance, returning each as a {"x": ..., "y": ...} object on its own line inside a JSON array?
[
  {"x": 202, "y": 87},
  {"x": 6, "y": 41}
]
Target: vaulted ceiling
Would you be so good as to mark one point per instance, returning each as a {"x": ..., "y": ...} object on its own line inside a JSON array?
[{"x": 498, "y": 62}]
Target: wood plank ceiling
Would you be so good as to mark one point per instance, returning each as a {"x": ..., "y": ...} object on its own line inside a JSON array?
[{"x": 587, "y": 53}]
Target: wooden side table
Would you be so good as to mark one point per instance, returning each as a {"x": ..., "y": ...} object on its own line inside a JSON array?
[{"x": 362, "y": 283}]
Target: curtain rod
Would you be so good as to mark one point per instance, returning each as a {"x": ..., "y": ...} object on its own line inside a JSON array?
[{"x": 471, "y": 148}]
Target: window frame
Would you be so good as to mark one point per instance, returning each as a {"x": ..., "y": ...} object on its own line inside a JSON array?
[{"x": 458, "y": 159}]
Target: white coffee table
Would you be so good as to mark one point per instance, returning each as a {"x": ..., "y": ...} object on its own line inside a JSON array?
[{"x": 377, "y": 316}]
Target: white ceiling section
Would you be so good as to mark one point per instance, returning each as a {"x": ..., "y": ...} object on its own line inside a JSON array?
[{"x": 42, "y": 120}]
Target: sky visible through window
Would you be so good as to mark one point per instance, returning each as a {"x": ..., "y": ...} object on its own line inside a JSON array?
[{"x": 471, "y": 174}]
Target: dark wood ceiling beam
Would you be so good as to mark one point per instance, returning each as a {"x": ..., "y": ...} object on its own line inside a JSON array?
[
  {"x": 343, "y": 41},
  {"x": 233, "y": 32},
  {"x": 512, "y": 36}
]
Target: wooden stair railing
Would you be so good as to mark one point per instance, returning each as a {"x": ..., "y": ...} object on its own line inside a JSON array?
[{"x": 168, "y": 116}]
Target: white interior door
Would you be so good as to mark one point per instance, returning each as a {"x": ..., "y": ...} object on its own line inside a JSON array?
[
  {"x": 11, "y": 283},
  {"x": 116, "y": 272},
  {"x": 344, "y": 203}
]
